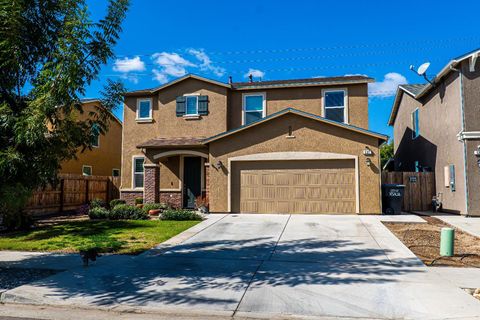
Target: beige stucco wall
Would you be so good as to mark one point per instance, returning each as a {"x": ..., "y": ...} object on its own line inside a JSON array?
[
  {"x": 308, "y": 99},
  {"x": 103, "y": 159},
  {"x": 165, "y": 122},
  {"x": 440, "y": 121},
  {"x": 471, "y": 96},
  {"x": 310, "y": 135}
]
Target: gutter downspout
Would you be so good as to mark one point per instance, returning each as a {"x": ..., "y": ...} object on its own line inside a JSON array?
[{"x": 462, "y": 104}]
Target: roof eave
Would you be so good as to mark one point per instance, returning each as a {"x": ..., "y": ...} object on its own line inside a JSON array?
[
  {"x": 301, "y": 113},
  {"x": 257, "y": 86}
]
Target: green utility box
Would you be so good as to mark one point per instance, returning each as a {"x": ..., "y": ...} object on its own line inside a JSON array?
[{"x": 447, "y": 239}]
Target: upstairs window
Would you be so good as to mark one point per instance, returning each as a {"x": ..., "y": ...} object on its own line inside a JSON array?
[
  {"x": 334, "y": 105},
  {"x": 415, "y": 124},
  {"x": 253, "y": 107},
  {"x": 86, "y": 170},
  {"x": 138, "y": 172},
  {"x": 144, "y": 109},
  {"x": 191, "y": 106}
]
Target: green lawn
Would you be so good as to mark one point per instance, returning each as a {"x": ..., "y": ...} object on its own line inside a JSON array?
[{"x": 128, "y": 237}]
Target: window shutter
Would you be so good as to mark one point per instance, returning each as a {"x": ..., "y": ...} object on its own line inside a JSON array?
[
  {"x": 203, "y": 105},
  {"x": 180, "y": 106}
]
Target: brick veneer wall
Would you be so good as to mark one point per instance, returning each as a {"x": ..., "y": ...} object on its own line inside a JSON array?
[
  {"x": 172, "y": 198},
  {"x": 151, "y": 183},
  {"x": 129, "y": 196}
]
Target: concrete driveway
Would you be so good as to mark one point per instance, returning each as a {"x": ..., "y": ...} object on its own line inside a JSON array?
[{"x": 266, "y": 266}]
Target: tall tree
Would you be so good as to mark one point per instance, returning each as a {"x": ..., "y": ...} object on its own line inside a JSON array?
[
  {"x": 50, "y": 52},
  {"x": 386, "y": 152}
]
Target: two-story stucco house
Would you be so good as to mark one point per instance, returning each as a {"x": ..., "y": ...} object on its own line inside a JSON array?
[
  {"x": 104, "y": 159},
  {"x": 289, "y": 146},
  {"x": 437, "y": 128}
]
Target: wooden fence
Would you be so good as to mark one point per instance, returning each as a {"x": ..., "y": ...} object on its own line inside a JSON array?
[
  {"x": 419, "y": 188},
  {"x": 72, "y": 192}
]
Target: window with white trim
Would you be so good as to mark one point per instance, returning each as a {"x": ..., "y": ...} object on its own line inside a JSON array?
[
  {"x": 253, "y": 107},
  {"x": 144, "y": 109},
  {"x": 415, "y": 124},
  {"x": 191, "y": 105},
  {"x": 138, "y": 172},
  {"x": 115, "y": 172},
  {"x": 86, "y": 170},
  {"x": 334, "y": 105}
]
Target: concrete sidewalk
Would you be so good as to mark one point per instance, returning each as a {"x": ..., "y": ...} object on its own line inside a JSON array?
[
  {"x": 266, "y": 266},
  {"x": 468, "y": 224}
]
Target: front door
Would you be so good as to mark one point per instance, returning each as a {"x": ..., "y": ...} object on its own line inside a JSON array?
[{"x": 191, "y": 181}]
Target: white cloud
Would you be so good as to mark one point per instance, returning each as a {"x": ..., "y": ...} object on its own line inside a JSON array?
[
  {"x": 206, "y": 62},
  {"x": 172, "y": 64},
  {"x": 128, "y": 65},
  {"x": 387, "y": 87},
  {"x": 356, "y": 74},
  {"x": 255, "y": 73},
  {"x": 159, "y": 76}
]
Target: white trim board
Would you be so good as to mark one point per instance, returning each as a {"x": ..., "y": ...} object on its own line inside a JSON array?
[{"x": 294, "y": 156}]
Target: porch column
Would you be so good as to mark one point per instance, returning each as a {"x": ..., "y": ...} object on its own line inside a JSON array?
[{"x": 151, "y": 185}]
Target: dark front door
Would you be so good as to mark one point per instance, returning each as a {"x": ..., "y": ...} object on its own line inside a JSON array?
[{"x": 191, "y": 181}]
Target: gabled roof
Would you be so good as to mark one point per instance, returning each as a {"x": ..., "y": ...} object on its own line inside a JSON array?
[
  {"x": 344, "y": 80},
  {"x": 419, "y": 90},
  {"x": 301, "y": 82},
  {"x": 412, "y": 90},
  {"x": 97, "y": 100},
  {"x": 171, "y": 142},
  {"x": 168, "y": 84},
  {"x": 300, "y": 113}
]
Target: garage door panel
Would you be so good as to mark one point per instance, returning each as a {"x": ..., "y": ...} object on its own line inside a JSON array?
[{"x": 321, "y": 186}]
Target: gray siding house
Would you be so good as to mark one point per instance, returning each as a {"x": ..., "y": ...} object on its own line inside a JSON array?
[{"x": 437, "y": 128}]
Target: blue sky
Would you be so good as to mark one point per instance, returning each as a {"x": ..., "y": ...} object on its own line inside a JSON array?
[{"x": 289, "y": 39}]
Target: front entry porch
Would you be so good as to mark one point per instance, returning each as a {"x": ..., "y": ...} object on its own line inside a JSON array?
[{"x": 177, "y": 178}]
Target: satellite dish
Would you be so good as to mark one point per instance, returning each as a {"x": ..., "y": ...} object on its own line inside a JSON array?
[{"x": 423, "y": 68}]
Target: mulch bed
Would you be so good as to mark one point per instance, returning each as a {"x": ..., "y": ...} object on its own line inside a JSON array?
[
  {"x": 14, "y": 277},
  {"x": 423, "y": 239}
]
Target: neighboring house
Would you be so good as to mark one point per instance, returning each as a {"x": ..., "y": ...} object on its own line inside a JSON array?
[
  {"x": 437, "y": 128},
  {"x": 105, "y": 157},
  {"x": 289, "y": 146}
]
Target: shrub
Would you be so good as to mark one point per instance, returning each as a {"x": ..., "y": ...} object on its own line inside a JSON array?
[
  {"x": 154, "y": 206},
  {"x": 96, "y": 203},
  {"x": 138, "y": 200},
  {"x": 116, "y": 202},
  {"x": 126, "y": 212},
  {"x": 180, "y": 215},
  {"x": 98, "y": 213},
  {"x": 12, "y": 200}
]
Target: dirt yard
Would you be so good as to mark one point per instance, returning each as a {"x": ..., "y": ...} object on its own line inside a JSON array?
[{"x": 423, "y": 239}]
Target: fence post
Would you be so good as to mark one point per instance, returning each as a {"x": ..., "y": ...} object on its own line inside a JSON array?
[
  {"x": 86, "y": 190},
  {"x": 109, "y": 190},
  {"x": 62, "y": 194}
]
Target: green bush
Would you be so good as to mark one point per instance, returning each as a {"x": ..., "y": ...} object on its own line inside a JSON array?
[
  {"x": 126, "y": 212},
  {"x": 138, "y": 200},
  {"x": 12, "y": 200},
  {"x": 180, "y": 215},
  {"x": 116, "y": 202},
  {"x": 97, "y": 203},
  {"x": 98, "y": 213},
  {"x": 154, "y": 206}
]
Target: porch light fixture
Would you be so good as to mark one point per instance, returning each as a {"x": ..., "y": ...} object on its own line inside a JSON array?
[
  {"x": 367, "y": 152},
  {"x": 217, "y": 165},
  {"x": 368, "y": 162}
]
